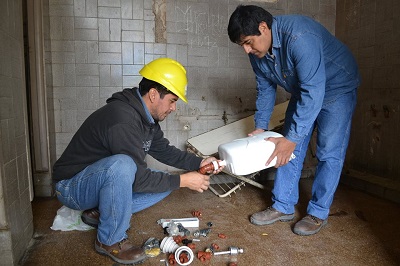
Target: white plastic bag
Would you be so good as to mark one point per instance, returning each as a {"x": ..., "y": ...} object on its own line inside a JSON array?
[{"x": 68, "y": 219}]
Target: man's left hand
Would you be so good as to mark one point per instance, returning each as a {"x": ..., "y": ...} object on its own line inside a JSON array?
[{"x": 283, "y": 151}]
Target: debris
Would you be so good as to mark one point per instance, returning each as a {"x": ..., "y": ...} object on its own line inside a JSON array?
[
  {"x": 152, "y": 247},
  {"x": 168, "y": 245},
  {"x": 165, "y": 261},
  {"x": 186, "y": 222},
  {"x": 183, "y": 230},
  {"x": 231, "y": 251},
  {"x": 171, "y": 259},
  {"x": 203, "y": 255},
  {"x": 191, "y": 245},
  {"x": 184, "y": 255},
  {"x": 179, "y": 239},
  {"x": 222, "y": 236},
  {"x": 214, "y": 246},
  {"x": 202, "y": 232},
  {"x": 196, "y": 213}
]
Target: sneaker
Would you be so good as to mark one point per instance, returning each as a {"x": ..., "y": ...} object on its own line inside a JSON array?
[
  {"x": 122, "y": 252},
  {"x": 91, "y": 217},
  {"x": 270, "y": 216},
  {"x": 309, "y": 225}
]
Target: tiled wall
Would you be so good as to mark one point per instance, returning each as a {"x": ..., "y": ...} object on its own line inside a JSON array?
[
  {"x": 372, "y": 30},
  {"x": 97, "y": 47},
  {"x": 16, "y": 227}
]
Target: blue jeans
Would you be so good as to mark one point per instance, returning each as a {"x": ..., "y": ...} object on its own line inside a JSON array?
[
  {"x": 107, "y": 185},
  {"x": 333, "y": 132}
]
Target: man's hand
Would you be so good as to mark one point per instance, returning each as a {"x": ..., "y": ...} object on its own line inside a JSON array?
[
  {"x": 283, "y": 151},
  {"x": 255, "y": 132},
  {"x": 195, "y": 181}
]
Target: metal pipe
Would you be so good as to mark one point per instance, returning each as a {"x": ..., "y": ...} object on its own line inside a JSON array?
[{"x": 231, "y": 251}]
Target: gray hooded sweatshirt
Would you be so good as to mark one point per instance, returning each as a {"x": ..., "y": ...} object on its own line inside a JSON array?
[{"x": 123, "y": 127}]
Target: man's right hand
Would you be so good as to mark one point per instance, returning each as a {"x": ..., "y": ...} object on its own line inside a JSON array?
[{"x": 195, "y": 181}]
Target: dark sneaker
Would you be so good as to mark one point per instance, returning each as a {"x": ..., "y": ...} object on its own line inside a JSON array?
[
  {"x": 270, "y": 216},
  {"x": 309, "y": 225},
  {"x": 91, "y": 217},
  {"x": 122, "y": 252}
]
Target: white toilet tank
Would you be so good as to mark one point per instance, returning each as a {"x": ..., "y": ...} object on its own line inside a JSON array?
[{"x": 248, "y": 155}]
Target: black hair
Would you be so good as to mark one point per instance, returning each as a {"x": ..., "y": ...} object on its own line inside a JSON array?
[
  {"x": 245, "y": 21},
  {"x": 146, "y": 84}
]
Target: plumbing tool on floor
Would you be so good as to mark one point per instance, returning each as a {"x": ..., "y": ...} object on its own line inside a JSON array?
[
  {"x": 186, "y": 222},
  {"x": 231, "y": 251}
]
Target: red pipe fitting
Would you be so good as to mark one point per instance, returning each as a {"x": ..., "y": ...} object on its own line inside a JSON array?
[
  {"x": 196, "y": 213},
  {"x": 183, "y": 258},
  {"x": 214, "y": 246},
  {"x": 221, "y": 236},
  {"x": 211, "y": 167},
  {"x": 178, "y": 239},
  {"x": 171, "y": 259},
  {"x": 191, "y": 245},
  {"x": 203, "y": 255}
]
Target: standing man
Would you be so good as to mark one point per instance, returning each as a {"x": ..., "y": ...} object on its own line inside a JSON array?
[
  {"x": 103, "y": 169},
  {"x": 300, "y": 55}
]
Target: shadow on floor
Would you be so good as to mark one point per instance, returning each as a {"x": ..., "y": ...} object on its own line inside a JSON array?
[{"x": 362, "y": 230}]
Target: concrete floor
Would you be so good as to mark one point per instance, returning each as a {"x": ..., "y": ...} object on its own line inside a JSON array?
[{"x": 362, "y": 230}]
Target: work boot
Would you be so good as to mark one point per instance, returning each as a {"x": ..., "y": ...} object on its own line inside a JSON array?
[
  {"x": 309, "y": 225},
  {"x": 270, "y": 216},
  {"x": 91, "y": 217},
  {"x": 122, "y": 252}
]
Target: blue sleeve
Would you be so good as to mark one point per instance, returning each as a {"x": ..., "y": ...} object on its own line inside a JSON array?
[
  {"x": 265, "y": 101},
  {"x": 307, "y": 54}
]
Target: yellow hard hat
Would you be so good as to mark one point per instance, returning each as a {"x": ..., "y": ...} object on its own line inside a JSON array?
[{"x": 169, "y": 73}]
